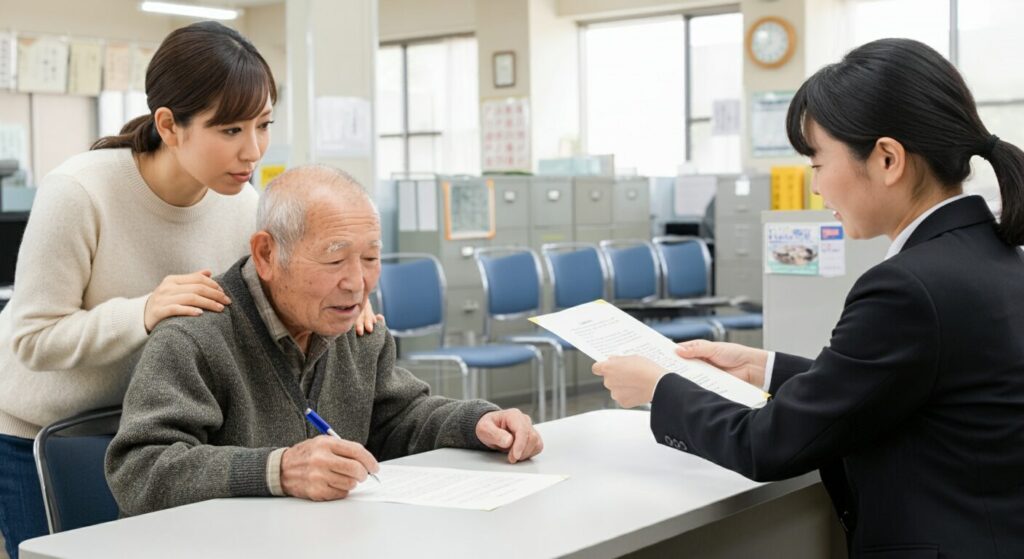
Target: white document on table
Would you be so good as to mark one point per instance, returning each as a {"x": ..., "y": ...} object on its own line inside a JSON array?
[
  {"x": 601, "y": 330},
  {"x": 450, "y": 487}
]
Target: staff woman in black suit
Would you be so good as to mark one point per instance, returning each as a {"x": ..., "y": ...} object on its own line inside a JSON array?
[{"x": 914, "y": 412}]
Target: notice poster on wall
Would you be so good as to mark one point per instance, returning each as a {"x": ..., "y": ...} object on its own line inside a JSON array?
[
  {"x": 725, "y": 117},
  {"x": 85, "y": 69},
  {"x": 505, "y": 135},
  {"x": 342, "y": 127},
  {"x": 8, "y": 60},
  {"x": 805, "y": 249},
  {"x": 117, "y": 67},
  {"x": 768, "y": 136},
  {"x": 42, "y": 65}
]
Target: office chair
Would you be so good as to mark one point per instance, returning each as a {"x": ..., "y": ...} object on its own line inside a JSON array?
[
  {"x": 512, "y": 280},
  {"x": 69, "y": 458},
  {"x": 411, "y": 296},
  {"x": 636, "y": 277},
  {"x": 687, "y": 265}
]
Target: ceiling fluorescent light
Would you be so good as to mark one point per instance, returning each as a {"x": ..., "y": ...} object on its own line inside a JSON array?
[{"x": 189, "y": 10}]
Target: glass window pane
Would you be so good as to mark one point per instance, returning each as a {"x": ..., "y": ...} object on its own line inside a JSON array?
[
  {"x": 635, "y": 95},
  {"x": 988, "y": 48},
  {"x": 390, "y": 157},
  {"x": 444, "y": 97},
  {"x": 923, "y": 20},
  {"x": 716, "y": 58},
  {"x": 428, "y": 86},
  {"x": 424, "y": 154},
  {"x": 713, "y": 154},
  {"x": 389, "y": 90},
  {"x": 460, "y": 142}
]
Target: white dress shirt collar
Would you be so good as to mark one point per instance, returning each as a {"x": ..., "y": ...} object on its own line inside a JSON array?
[{"x": 901, "y": 239}]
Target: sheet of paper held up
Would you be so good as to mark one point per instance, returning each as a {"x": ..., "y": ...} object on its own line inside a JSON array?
[
  {"x": 450, "y": 487},
  {"x": 600, "y": 330}
]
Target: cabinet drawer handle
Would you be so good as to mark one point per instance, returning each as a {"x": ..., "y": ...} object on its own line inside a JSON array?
[
  {"x": 595, "y": 195},
  {"x": 510, "y": 196},
  {"x": 554, "y": 195},
  {"x": 631, "y": 194},
  {"x": 467, "y": 252}
]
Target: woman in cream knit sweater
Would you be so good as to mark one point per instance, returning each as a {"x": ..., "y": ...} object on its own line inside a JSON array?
[{"x": 126, "y": 235}]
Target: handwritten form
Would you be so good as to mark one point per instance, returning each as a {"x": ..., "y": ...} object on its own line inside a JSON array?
[
  {"x": 450, "y": 487},
  {"x": 600, "y": 330}
]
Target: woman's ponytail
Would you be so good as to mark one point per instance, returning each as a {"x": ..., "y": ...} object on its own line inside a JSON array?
[
  {"x": 139, "y": 134},
  {"x": 1008, "y": 162}
]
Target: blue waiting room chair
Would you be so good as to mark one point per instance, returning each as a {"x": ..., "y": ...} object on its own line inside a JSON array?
[
  {"x": 686, "y": 262},
  {"x": 636, "y": 277},
  {"x": 69, "y": 459},
  {"x": 513, "y": 282},
  {"x": 411, "y": 296},
  {"x": 578, "y": 273}
]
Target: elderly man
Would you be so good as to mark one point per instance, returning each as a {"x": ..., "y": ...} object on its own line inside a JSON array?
[{"x": 215, "y": 407}]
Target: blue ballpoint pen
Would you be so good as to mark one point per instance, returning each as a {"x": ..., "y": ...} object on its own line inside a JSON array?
[{"x": 326, "y": 429}]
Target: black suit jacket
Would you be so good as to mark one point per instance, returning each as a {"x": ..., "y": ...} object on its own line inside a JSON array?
[{"x": 918, "y": 400}]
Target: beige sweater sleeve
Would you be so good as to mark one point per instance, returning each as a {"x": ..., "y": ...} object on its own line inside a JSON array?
[{"x": 51, "y": 329}]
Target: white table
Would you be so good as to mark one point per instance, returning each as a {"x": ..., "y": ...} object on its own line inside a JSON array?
[{"x": 625, "y": 493}]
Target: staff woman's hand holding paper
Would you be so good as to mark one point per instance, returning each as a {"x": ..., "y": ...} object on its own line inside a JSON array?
[
  {"x": 740, "y": 361},
  {"x": 631, "y": 380}
]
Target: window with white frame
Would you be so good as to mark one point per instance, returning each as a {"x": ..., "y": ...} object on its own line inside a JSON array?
[
  {"x": 980, "y": 39},
  {"x": 649, "y": 86},
  {"x": 428, "y": 107}
]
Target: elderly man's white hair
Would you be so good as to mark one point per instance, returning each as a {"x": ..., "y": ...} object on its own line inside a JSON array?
[{"x": 284, "y": 205}]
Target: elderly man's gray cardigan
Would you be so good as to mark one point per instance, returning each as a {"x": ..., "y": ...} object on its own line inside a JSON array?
[{"x": 211, "y": 398}]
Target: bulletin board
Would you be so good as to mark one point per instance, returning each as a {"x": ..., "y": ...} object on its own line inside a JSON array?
[{"x": 468, "y": 209}]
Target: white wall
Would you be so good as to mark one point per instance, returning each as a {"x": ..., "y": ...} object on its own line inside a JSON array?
[
  {"x": 413, "y": 19},
  {"x": 757, "y": 79},
  {"x": 614, "y": 8},
  {"x": 62, "y": 125},
  {"x": 503, "y": 26}
]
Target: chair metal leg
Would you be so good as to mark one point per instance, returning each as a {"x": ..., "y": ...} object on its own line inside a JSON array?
[
  {"x": 719, "y": 329},
  {"x": 558, "y": 374},
  {"x": 438, "y": 359},
  {"x": 467, "y": 385},
  {"x": 562, "y": 405},
  {"x": 542, "y": 389}
]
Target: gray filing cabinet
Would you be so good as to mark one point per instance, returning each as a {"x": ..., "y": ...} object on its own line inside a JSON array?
[
  {"x": 592, "y": 208},
  {"x": 611, "y": 208},
  {"x": 738, "y": 232},
  {"x": 631, "y": 208},
  {"x": 551, "y": 210},
  {"x": 800, "y": 312}
]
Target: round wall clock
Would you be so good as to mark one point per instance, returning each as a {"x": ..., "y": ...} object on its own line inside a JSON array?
[{"x": 771, "y": 42}]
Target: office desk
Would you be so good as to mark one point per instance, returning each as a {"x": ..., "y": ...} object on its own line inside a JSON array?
[{"x": 625, "y": 493}]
